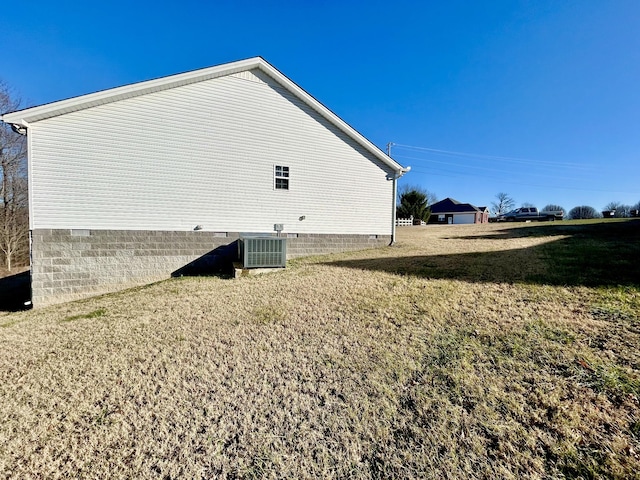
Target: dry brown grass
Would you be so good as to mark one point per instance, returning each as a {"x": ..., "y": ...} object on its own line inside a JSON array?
[
  {"x": 6, "y": 273},
  {"x": 446, "y": 356}
]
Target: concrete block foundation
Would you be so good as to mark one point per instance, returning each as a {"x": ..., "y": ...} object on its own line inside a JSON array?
[{"x": 72, "y": 264}]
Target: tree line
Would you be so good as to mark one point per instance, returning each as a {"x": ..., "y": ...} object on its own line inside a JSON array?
[
  {"x": 14, "y": 208},
  {"x": 505, "y": 203},
  {"x": 414, "y": 201}
]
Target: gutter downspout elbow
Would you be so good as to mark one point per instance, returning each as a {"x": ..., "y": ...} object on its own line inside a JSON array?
[{"x": 20, "y": 128}]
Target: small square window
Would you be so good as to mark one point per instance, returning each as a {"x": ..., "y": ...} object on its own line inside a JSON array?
[{"x": 281, "y": 177}]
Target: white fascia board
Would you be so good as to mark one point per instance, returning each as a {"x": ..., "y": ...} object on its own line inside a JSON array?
[
  {"x": 34, "y": 114},
  {"x": 61, "y": 107},
  {"x": 330, "y": 116}
]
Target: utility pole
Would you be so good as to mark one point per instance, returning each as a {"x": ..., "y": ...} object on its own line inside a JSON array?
[
  {"x": 395, "y": 194},
  {"x": 396, "y": 175}
]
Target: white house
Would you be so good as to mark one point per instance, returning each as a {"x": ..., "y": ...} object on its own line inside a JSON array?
[{"x": 129, "y": 184}]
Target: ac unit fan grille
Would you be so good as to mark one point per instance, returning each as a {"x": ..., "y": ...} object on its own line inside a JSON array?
[{"x": 264, "y": 252}]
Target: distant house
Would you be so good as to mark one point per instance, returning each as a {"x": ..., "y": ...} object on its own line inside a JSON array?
[
  {"x": 130, "y": 184},
  {"x": 450, "y": 211}
]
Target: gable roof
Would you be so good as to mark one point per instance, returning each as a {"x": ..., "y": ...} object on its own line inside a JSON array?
[
  {"x": 449, "y": 205},
  {"x": 21, "y": 119}
]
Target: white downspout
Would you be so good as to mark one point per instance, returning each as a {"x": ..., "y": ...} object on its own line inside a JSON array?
[
  {"x": 396, "y": 176},
  {"x": 393, "y": 217}
]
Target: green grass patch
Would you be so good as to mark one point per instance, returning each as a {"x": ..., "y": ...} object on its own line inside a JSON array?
[
  {"x": 595, "y": 254},
  {"x": 268, "y": 314},
  {"x": 10, "y": 323},
  {"x": 613, "y": 380},
  {"x": 100, "y": 312}
]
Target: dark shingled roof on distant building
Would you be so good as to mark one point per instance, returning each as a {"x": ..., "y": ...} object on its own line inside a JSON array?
[{"x": 449, "y": 205}]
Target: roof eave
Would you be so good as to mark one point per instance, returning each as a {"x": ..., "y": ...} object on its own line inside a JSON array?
[
  {"x": 332, "y": 117},
  {"x": 89, "y": 100},
  {"x": 22, "y": 118}
]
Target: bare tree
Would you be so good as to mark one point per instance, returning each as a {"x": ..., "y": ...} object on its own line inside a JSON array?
[
  {"x": 552, "y": 208},
  {"x": 504, "y": 204},
  {"x": 14, "y": 221},
  {"x": 621, "y": 210},
  {"x": 429, "y": 196},
  {"x": 527, "y": 204},
  {"x": 583, "y": 212}
]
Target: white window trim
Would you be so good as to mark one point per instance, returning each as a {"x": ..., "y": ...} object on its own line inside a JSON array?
[{"x": 281, "y": 177}]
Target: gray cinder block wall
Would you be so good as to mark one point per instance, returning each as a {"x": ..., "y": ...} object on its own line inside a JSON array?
[{"x": 73, "y": 264}]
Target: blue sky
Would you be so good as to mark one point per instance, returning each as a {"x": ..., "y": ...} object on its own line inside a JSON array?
[{"x": 538, "y": 99}]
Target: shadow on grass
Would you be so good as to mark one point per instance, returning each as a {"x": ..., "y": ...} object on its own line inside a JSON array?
[
  {"x": 15, "y": 291},
  {"x": 595, "y": 228},
  {"x": 588, "y": 254},
  {"x": 217, "y": 262}
]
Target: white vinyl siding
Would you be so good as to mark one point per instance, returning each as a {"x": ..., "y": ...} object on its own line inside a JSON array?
[{"x": 204, "y": 154}]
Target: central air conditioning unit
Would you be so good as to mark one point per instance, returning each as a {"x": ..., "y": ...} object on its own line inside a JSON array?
[{"x": 263, "y": 251}]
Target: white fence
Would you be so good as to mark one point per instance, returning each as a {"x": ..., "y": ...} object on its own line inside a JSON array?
[{"x": 406, "y": 222}]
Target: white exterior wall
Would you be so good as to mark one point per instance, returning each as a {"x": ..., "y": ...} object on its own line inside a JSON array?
[
  {"x": 204, "y": 154},
  {"x": 464, "y": 218}
]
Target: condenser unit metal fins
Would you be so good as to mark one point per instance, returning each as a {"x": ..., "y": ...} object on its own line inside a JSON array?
[{"x": 263, "y": 252}]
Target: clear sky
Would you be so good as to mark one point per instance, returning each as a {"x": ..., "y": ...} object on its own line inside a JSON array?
[{"x": 539, "y": 99}]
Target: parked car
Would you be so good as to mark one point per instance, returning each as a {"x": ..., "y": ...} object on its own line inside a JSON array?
[{"x": 524, "y": 214}]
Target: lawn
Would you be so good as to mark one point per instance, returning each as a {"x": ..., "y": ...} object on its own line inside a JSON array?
[{"x": 492, "y": 351}]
